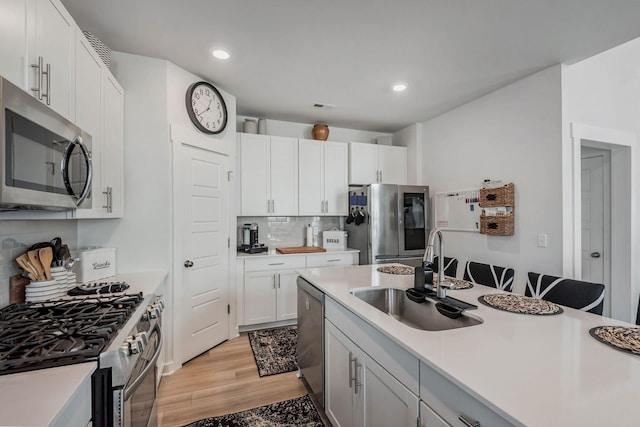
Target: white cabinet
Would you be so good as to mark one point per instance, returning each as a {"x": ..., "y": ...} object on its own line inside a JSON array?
[
  {"x": 51, "y": 35},
  {"x": 13, "y": 43},
  {"x": 452, "y": 404},
  {"x": 371, "y": 163},
  {"x": 100, "y": 111},
  {"x": 270, "y": 288},
  {"x": 269, "y": 175},
  {"x": 359, "y": 391},
  {"x": 428, "y": 418},
  {"x": 332, "y": 260},
  {"x": 323, "y": 178}
]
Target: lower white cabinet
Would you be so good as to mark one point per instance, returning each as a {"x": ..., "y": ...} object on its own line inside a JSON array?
[
  {"x": 270, "y": 289},
  {"x": 359, "y": 391}
]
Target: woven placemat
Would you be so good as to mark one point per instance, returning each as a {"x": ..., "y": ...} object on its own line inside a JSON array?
[
  {"x": 396, "y": 269},
  {"x": 460, "y": 284},
  {"x": 520, "y": 304},
  {"x": 621, "y": 338}
]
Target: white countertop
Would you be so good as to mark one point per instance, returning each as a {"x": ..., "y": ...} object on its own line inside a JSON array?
[
  {"x": 52, "y": 391},
  {"x": 46, "y": 397},
  {"x": 535, "y": 370},
  {"x": 272, "y": 252}
]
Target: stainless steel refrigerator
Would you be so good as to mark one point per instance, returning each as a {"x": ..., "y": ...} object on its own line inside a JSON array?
[{"x": 389, "y": 223}]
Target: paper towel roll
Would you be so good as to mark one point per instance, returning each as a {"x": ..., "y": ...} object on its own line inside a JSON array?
[{"x": 309, "y": 235}]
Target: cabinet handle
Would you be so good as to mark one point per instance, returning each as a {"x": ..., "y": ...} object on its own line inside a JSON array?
[
  {"x": 278, "y": 274},
  {"x": 109, "y": 194},
  {"x": 380, "y": 176},
  {"x": 326, "y": 206},
  {"x": 48, "y": 94},
  {"x": 276, "y": 263},
  {"x": 268, "y": 206},
  {"x": 357, "y": 382},
  {"x": 333, "y": 260},
  {"x": 274, "y": 280},
  {"x": 38, "y": 88},
  {"x": 351, "y": 359},
  {"x": 469, "y": 422}
]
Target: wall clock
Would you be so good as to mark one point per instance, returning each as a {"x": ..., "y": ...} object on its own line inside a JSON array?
[{"x": 206, "y": 108}]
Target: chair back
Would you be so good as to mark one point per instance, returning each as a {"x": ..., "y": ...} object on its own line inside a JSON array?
[
  {"x": 450, "y": 266},
  {"x": 489, "y": 275},
  {"x": 585, "y": 296}
]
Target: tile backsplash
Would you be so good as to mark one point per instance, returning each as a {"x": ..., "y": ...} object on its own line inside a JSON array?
[
  {"x": 17, "y": 236},
  {"x": 284, "y": 231}
]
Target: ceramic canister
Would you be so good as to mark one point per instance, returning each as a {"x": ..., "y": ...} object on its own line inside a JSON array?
[
  {"x": 262, "y": 126},
  {"x": 249, "y": 126}
]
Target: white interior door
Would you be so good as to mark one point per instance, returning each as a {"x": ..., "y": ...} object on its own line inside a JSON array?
[
  {"x": 593, "y": 253},
  {"x": 205, "y": 276}
]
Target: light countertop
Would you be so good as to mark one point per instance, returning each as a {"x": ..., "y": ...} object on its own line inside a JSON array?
[
  {"x": 272, "y": 252},
  {"x": 534, "y": 370},
  {"x": 47, "y": 397}
]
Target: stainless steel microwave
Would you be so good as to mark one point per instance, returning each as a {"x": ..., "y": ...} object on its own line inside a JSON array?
[{"x": 45, "y": 159}]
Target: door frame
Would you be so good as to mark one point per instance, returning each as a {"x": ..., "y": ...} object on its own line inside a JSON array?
[
  {"x": 179, "y": 135},
  {"x": 624, "y": 225}
]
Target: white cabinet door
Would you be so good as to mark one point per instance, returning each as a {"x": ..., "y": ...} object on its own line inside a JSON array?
[
  {"x": 336, "y": 182},
  {"x": 428, "y": 418},
  {"x": 284, "y": 176},
  {"x": 89, "y": 108},
  {"x": 340, "y": 355},
  {"x": 259, "y": 297},
  {"x": 13, "y": 43},
  {"x": 383, "y": 400},
  {"x": 254, "y": 170},
  {"x": 363, "y": 163},
  {"x": 392, "y": 163},
  {"x": 310, "y": 177},
  {"x": 54, "y": 41},
  {"x": 112, "y": 152},
  {"x": 287, "y": 295}
]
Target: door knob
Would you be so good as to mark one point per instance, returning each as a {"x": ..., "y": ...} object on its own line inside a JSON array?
[
  {"x": 595, "y": 255},
  {"x": 188, "y": 264}
]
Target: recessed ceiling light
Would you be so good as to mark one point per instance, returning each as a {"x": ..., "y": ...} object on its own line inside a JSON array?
[
  {"x": 221, "y": 54},
  {"x": 399, "y": 87}
]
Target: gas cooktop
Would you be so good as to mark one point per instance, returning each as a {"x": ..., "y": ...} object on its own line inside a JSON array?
[{"x": 61, "y": 332}]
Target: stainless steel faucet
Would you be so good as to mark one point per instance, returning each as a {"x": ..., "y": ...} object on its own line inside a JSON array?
[{"x": 441, "y": 289}]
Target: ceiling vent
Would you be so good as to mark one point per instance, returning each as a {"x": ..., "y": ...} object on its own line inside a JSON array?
[{"x": 325, "y": 106}]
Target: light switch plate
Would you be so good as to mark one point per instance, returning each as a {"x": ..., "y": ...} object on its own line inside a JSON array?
[{"x": 542, "y": 240}]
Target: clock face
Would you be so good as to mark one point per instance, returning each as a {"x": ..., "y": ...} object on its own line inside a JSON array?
[{"x": 206, "y": 108}]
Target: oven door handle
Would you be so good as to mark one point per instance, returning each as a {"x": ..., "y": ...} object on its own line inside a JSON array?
[{"x": 128, "y": 391}]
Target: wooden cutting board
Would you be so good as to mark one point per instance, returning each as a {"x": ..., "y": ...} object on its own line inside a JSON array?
[
  {"x": 17, "y": 286},
  {"x": 300, "y": 250}
]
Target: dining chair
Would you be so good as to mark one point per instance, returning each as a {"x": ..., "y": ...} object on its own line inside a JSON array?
[
  {"x": 585, "y": 296},
  {"x": 489, "y": 275},
  {"x": 450, "y": 266}
]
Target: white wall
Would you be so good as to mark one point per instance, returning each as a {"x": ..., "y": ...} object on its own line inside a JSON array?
[
  {"x": 411, "y": 137},
  {"x": 604, "y": 92},
  {"x": 513, "y": 135},
  {"x": 303, "y": 130}
]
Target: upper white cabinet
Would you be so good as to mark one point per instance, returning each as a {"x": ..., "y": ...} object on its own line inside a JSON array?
[
  {"x": 371, "y": 163},
  {"x": 323, "y": 178},
  {"x": 13, "y": 43},
  {"x": 37, "y": 51},
  {"x": 269, "y": 169},
  {"x": 51, "y": 33},
  {"x": 100, "y": 111}
]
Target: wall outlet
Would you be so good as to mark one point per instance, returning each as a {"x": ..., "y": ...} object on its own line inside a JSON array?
[{"x": 542, "y": 240}]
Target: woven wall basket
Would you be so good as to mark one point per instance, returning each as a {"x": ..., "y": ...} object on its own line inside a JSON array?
[{"x": 103, "y": 51}]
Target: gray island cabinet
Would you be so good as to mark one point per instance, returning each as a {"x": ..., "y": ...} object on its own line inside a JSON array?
[{"x": 509, "y": 370}]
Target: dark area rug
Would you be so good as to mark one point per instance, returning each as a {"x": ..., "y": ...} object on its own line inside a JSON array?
[
  {"x": 295, "y": 412},
  {"x": 274, "y": 349}
]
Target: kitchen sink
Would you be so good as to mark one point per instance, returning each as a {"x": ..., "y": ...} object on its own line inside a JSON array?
[{"x": 395, "y": 303}]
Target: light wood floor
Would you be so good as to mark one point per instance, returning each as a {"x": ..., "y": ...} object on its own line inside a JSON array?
[{"x": 221, "y": 381}]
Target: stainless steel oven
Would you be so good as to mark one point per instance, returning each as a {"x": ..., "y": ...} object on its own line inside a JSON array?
[
  {"x": 45, "y": 160},
  {"x": 125, "y": 385}
]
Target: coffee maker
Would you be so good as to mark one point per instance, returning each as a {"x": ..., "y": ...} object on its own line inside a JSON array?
[{"x": 250, "y": 243}]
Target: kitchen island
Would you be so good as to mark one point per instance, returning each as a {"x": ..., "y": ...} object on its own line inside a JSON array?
[{"x": 526, "y": 370}]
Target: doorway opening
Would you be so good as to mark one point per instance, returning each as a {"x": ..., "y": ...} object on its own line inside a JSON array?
[{"x": 598, "y": 155}]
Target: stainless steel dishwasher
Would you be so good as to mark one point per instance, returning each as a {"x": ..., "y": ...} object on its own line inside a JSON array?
[{"x": 310, "y": 347}]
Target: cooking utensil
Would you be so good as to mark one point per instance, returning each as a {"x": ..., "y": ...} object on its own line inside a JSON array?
[
  {"x": 66, "y": 253},
  {"x": 25, "y": 264},
  {"x": 46, "y": 256},
  {"x": 34, "y": 258},
  {"x": 56, "y": 244}
]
